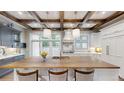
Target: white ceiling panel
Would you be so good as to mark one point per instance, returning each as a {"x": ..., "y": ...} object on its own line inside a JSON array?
[
  {"x": 88, "y": 25},
  {"x": 74, "y": 14},
  {"x": 101, "y": 14},
  {"x": 34, "y": 25},
  {"x": 70, "y": 25},
  {"x": 48, "y": 14},
  {"x": 53, "y": 25},
  {"x": 20, "y": 14}
]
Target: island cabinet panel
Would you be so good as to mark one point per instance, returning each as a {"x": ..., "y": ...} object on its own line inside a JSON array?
[{"x": 9, "y": 60}]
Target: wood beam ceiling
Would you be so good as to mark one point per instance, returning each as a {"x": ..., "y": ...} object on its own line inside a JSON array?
[
  {"x": 50, "y": 20},
  {"x": 112, "y": 17},
  {"x": 37, "y": 18},
  {"x": 85, "y": 18},
  {"x": 14, "y": 19},
  {"x": 61, "y": 15},
  {"x": 54, "y": 29},
  {"x": 100, "y": 22}
]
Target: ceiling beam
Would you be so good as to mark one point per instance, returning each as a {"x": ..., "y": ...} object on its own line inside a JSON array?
[
  {"x": 61, "y": 15},
  {"x": 85, "y": 18},
  {"x": 112, "y": 17},
  {"x": 54, "y": 29},
  {"x": 37, "y": 18},
  {"x": 51, "y": 20},
  {"x": 14, "y": 19}
]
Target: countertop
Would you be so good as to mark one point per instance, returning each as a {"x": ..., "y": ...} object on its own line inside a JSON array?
[
  {"x": 71, "y": 62},
  {"x": 8, "y": 56}
]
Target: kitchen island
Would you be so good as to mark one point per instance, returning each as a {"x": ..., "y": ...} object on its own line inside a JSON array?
[{"x": 68, "y": 62}]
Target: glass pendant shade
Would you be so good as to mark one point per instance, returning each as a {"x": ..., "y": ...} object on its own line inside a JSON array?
[
  {"x": 47, "y": 33},
  {"x": 76, "y": 33},
  {"x": 68, "y": 36}
]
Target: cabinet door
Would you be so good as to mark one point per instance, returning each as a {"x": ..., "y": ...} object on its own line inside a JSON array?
[
  {"x": 0, "y": 39},
  {"x": 15, "y": 38},
  {"x": 6, "y": 36},
  {"x": 9, "y": 37},
  {"x": 0, "y": 43}
]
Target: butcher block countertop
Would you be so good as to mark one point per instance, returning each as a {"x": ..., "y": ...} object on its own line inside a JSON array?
[{"x": 64, "y": 62}]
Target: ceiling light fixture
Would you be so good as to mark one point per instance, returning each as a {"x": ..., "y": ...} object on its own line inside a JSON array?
[
  {"x": 103, "y": 12},
  {"x": 76, "y": 32},
  {"x": 20, "y": 13},
  {"x": 87, "y": 24},
  {"x": 47, "y": 32},
  {"x": 71, "y": 25},
  {"x": 68, "y": 36}
]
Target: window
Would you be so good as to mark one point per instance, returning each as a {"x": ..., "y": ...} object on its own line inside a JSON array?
[
  {"x": 84, "y": 45},
  {"x": 51, "y": 45},
  {"x": 81, "y": 42}
]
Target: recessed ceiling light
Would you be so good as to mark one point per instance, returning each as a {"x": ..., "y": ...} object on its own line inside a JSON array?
[
  {"x": 52, "y": 25},
  {"x": 35, "y": 24},
  {"x": 103, "y": 12},
  {"x": 19, "y": 12},
  {"x": 71, "y": 25},
  {"x": 88, "y": 24}
]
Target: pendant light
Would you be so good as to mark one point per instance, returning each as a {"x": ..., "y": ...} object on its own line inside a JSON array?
[
  {"x": 76, "y": 32},
  {"x": 68, "y": 36},
  {"x": 47, "y": 32}
]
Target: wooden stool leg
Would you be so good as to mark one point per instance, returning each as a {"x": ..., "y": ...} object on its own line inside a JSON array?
[
  {"x": 67, "y": 76},
  {"x": 37, "y": 75},
  {"x": 75, "y": 75},
  {"x": 49, "y": 76}
]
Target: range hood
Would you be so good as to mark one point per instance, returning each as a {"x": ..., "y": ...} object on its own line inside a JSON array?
[{"x": 68, "y": 37}]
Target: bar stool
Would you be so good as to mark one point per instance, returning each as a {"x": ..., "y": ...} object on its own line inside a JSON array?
[
  {"x": 27, "y": 74},
  {"x": 120, "y": 78},
  {"x": 84, "y": 74},
  {"x": 57, "y": 74}
]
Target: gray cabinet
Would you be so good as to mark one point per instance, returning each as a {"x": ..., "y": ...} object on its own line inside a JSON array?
[
  {"x": 9, "y": 37},
  {"x": 0, "y": 39},
  {"x": 6, "y": 36},
  {"x": 15, "y": 39},
  {"x": 5, "y": 61}
]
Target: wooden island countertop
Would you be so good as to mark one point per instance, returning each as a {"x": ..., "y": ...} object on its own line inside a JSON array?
[{"x": 71, "y": 62}]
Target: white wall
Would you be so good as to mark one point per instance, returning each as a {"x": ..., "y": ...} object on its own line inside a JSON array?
[
  {"x": 95, "y": 40},
  {"x": 113, "y": 36},
  {"x": 25, "y": 38}
]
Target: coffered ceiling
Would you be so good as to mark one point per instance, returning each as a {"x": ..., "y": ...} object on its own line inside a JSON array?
[{"x": 61, "y": 20}]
